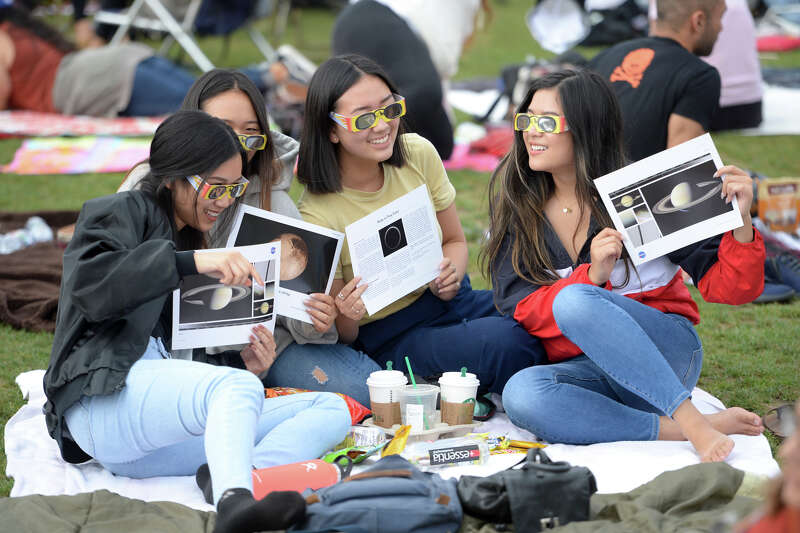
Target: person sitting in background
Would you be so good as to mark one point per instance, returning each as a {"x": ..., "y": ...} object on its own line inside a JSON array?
[
  {"x": 114, "y": 390},
  {"x": 418, "y": 44},
  {"x": 667, "y": 94},
  {"x": 736, "y": 58}
]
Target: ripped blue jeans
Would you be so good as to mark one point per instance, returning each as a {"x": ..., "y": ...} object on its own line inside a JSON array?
[{"x": 638, "y": 363}]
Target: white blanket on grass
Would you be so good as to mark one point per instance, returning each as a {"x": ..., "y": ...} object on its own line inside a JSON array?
[{"x": 33, "y": 459}]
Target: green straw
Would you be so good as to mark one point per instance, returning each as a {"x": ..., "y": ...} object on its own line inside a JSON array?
[
  {"x": 388, "y": 365},
  {"x": 463, "y": 371},
  {"x": 419, "y": 400}
]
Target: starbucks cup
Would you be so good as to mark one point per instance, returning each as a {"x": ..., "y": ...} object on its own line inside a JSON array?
[
  {"x": 385, "y": 387},
  {"x": 458, "y": 397}
]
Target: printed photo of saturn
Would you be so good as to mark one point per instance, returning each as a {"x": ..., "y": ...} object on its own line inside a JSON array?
[
  {"x": 671, "y": 200},
  {"x": 207, "y": 303}
]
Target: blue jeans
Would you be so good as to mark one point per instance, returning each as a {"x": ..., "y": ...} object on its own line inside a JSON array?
[
  {"x": 172, "y": 416},
  {"x": 440, "y": 336},
  {"x": 637, "y": 364},
  {"x": 323, "y": 367},
  {"x": 159, "y": 87}
]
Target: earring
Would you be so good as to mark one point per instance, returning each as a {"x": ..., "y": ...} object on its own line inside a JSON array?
[{"x": 334, "y": 138}]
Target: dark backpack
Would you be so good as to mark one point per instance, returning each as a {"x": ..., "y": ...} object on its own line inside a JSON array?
[{"x": 391, "y": 497}]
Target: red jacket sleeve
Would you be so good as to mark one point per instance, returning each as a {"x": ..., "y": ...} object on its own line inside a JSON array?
[
  {"x": 535, "y": 314},
  {"x": 738, "y": 275}
]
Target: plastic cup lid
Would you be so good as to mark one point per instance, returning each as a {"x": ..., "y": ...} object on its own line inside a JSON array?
[
  {"x": 451, "y": 379},
  {"x": 386, "y": 378}
]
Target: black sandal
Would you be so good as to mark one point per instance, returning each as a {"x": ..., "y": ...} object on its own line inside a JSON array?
[{"x": 781, "y": 420}]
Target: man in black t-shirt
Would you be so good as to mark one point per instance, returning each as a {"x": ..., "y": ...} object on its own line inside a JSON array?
[{"x": 667, "y": 94}]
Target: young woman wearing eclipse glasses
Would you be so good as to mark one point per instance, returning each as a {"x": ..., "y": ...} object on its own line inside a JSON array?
[
  {"x": 558, "y": 267},
  {"x": 117, "y": 394},
  {"x": 354, "y": 158}
]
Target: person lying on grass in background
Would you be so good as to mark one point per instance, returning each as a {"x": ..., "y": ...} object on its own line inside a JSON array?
[
  {"x": 621, "y": 339},
  {"x": 114, "y": 391}
]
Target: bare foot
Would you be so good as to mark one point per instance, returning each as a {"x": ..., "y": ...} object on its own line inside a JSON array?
[
  {"x": 713, "y": 447},
  {"x": 736, "y": 421}
]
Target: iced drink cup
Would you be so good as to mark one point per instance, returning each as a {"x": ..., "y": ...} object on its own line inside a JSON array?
[
  {"x": 458, "y": 397},
  {"x": 419, "y": 406},
  {"x": 385, "y": 387}
]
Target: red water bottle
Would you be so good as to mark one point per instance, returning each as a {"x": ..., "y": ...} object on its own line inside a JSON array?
[{"x": 313, "y": 474}]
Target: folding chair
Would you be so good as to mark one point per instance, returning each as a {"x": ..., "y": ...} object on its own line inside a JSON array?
[{"x": 161, "y": 18}]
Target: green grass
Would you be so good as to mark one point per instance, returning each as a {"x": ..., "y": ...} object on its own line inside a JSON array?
[{"x": 751, "y": 352}]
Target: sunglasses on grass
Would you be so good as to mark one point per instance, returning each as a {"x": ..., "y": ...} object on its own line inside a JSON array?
[
  {"x": 213, "y": 192},
  {"x": 370, "y": 119},
  {"x": 253, "y": 142},
  {"x": 542, "y": 123}
]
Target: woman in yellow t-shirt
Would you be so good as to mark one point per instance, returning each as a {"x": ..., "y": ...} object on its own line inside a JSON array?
[{"x": 355, "y": 158}]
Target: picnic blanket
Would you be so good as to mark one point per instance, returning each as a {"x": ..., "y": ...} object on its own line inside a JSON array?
[
  {"x": 78, "y": 155},
  {"x": 695, "y": 498},
  {"x": 33, "y": 459},
  {"x": 30, "y": 278},
  {"x": 32, "y": 123}
]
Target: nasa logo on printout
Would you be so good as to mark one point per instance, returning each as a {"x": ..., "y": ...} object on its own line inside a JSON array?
[{"x": 642, "y": 255}]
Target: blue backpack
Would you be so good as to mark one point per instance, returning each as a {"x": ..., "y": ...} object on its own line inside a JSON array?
[{"x": 391, "y": 497}]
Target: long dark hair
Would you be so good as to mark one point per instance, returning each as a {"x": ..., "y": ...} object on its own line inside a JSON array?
[
  {"x": 188, "y": 143},
  {"x": 317, "y": 164},
  {"x": 23, "y": 20},
  {"x": 517, "y": 194},
  {"x": 218, "y": 81}
]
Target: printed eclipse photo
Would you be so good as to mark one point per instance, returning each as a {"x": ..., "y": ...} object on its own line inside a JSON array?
[
  {"x": 306, "y": 256},
  {"x": 685, "y": 195},
  {"x": 207, "y": 303},
  {"x": 393, "y": 237}
]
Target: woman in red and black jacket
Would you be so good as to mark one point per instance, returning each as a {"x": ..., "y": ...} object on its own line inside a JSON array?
[{"x": 624, "y": 352}]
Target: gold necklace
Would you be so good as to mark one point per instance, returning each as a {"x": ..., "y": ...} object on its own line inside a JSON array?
[{"x": 564, "y": 209}]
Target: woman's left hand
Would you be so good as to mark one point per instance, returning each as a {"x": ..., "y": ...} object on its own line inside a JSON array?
[
  {"x": 323, "y": 311},
  {"x": 259, "y": 355},
  {"x": 736, "y": 182},
  {"x": 446, "y": 285}
]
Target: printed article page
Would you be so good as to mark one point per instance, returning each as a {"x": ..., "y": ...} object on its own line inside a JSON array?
[{"x": 395, "y": 249}]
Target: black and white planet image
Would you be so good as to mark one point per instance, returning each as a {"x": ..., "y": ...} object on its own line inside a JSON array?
[
  {"x": 215, "y": 296},
  {"x": 685, "y": 197},
  {"x": 680, "y": 197}
]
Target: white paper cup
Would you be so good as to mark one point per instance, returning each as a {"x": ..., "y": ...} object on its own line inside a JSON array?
[
  {"x": 458, "y": 397},
  {"x": 385, "y": 385},
  {"x": 385, "y": 388}
]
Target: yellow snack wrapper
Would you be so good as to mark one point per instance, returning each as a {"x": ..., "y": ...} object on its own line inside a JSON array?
[{"x": 398, "y": 442}]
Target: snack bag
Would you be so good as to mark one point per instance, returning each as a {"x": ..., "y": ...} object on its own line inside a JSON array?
[
  {"x": 357, "y": 411},
  {"x": 779, "y": 203}
]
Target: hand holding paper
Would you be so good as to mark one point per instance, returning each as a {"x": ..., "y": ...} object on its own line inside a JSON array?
[
  {"x": 322, "y": 310},
  {"x": 446, "y": 285},
  {"x": 348, "y": 300},
  {"x": 738, "y": 184},
  {"x": 259, "y": 355},
  {"x": 605, "y": 249}
]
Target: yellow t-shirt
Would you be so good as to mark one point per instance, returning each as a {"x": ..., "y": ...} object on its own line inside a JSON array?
[{"x": 337, "y": 210}]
